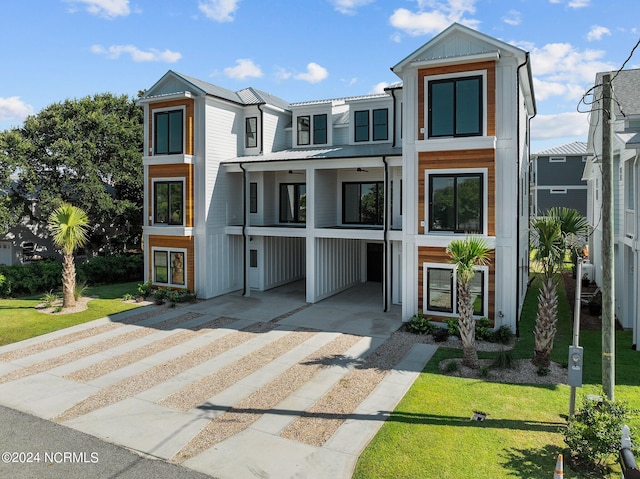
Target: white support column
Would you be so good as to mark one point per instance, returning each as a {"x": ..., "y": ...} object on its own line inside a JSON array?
[{"x": 310, "y": 236}]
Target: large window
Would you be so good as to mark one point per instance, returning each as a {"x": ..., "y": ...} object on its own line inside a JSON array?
[
  {"x": 456, "y": 203},
  {"x": 168, "y": 202},
  {"x": 455, "y": 107},
  {"x": 441, "y": 290},
  {"x": 361, "y": 124},
  {"x": 169, "y": 267},
  {"x": 319, "y": 129},
  {"x": 371, "y": 124},
  {"x": 363, "y": 203},
  {"x": 293, "y": 202},
  {"x": 251, "y": 132},
  {"x": 168, "y": 132}
]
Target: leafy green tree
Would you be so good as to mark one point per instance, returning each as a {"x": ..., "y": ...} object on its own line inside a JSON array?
[
  {"x": 466, "y": 254},
  {"x": 87, "y": 151},
  {"x": 68, "y": 225}
]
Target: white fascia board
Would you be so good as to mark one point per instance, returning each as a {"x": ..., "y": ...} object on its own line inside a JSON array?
[
  {"x": 168, "y": 160},
  {"x": 349, "y": 233},
  {"x": 443, "y": 240},
  {"x": 173, "y": 96},
  {"x": 446, "y": 144},
  {"x": 458, "y": 60},
  {"x": 295, "y": 232},
  {"x": 168, "y": 230}
]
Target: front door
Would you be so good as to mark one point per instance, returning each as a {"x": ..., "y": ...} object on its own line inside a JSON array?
[{"x": 375, "y": 261}]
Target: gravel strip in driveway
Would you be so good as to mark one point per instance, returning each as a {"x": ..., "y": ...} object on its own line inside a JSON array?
[
  {"x": 158, "y": 374},
  {"x": 250, "y": 409}
]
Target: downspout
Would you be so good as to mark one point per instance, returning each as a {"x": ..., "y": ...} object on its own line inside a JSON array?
[
  {"x": 395, "y": 121},
  {"x": 244, "y": 229},
  {"x": 387, "y": 201},
  {"x": 518, "y": 190}
]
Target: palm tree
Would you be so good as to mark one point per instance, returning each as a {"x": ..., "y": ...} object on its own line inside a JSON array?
[
  {"x": 69, "y": 226},
  {"x": 466, "y": 254},
  {"x": 548, "y": 245},
  {"x": 574, "y": 229}
]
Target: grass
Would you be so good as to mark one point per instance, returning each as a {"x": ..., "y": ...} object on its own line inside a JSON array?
[
  {"x": 430, "y": 434},
  {"x": 20, "y": 320}
]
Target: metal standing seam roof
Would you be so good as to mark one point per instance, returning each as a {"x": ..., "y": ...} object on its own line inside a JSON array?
[
  {"x": 626, "y": 90},
  {"x": 577, "y": 148}
]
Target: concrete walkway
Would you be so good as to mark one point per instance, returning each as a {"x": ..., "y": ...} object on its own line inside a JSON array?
[{"x": 123, "y": 380}]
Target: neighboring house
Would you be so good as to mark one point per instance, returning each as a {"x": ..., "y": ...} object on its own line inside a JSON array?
[
  {"x": 626, "y": 165},
  {"x": 556, "y": 178},
  {"x": 246, "y": 191}
]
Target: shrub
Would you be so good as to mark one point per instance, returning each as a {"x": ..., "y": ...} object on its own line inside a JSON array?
[
  {"x": 419, "y": 324},
  {"x": 483, "y": 331},
  {"x": 451, "y": 367},
  {"x": 112, "y": 269},
  {"x": 504, "y": 360},
  {"x": 593, "y": 434},
  {"x": 49, "y": 298},
  {"x": 180, "y": 296},
  {"x": 5, "y": 286},
  {"x": 144, "y": 289},
  {"x": 160, "y": 295},
  {"x": 502, "y": 335},
  {"x": 80, "y": 290},
  {"x": 33, "y": 278},
  {"x": 453, "y": 326},
  {"x": 440, "y": 335}
]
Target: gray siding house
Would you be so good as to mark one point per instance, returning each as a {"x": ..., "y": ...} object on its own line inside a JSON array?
[{"x": 556, "y": 178}]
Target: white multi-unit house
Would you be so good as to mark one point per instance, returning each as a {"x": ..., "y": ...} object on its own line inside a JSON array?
[
  {"x": 626, "y": 192},
  {"x": 245, "y": 191}
]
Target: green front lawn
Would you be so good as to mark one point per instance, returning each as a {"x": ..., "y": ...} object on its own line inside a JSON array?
[
  {"x": 20, "y": 320},
  {"x": 430, "y": 434}
]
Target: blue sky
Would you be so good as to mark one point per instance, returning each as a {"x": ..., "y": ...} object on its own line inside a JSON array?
[{"x": 299, "y": 49}]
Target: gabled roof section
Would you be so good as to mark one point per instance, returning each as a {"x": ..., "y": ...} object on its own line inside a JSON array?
[
  {"x": 626, "y": 91},
  {"x": 577, "y": 148},
  {"x": 174, "y": 82},
  {"x": 458, "y": 41}
]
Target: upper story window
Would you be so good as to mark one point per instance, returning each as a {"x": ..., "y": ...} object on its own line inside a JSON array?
[
  {"x": 456, "y": 203},
  {"x": 361, "y": 125},
  {"x": 304, "y": 130},
  {"x": 293, "y": 202},
  {"x": 316, "y": 124},
  {"x": 168, "y": 132},
  {"x": 380, "y": 124},
  {"x": 168, "y": 202},
  {"x": 371, "y": 125},
  {"x": 455, "y": 107},
  {"x": 363, "y": 203},
  {"x": 319, "y": 129},
  {"x": 251, "y": 132}
]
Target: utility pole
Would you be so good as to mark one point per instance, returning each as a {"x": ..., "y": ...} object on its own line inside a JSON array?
[{"x": 608, "y": 308}]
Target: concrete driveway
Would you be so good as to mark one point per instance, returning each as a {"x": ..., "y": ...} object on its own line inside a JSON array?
[{"x": 234, "y": 387}]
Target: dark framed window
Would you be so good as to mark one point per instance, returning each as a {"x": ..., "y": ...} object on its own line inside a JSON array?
[
  {"x": 168, "y": 202},
  {"x": 477, "y": 293},
  {"x": 168, "y": 132},
  {"x": 380, "y": 124},
  {"x": 304, "y": 130},
  {"x": 253, "y": 258},
  {"x": 455, "y": 107},
  {"x": 363, "y": 203},
  {"x": 251, "y": 132},
  {"x": 293, "y": 202},
  {"x": 168, "y": 267},
  {"x": 253, "y": 197},
  {"x": 456, "y": 203},
  {"x": 361, "y": 125},
  {"x": 319, "y": 129},
  {"x": 440, "y": 289}
]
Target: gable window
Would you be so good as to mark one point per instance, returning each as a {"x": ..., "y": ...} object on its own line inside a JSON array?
[
  {"x": 168, "y": 202},
  {"x": 319, "y": 129},
  {"x": 251, "y": 132},
  {"x": 304, "y": 129},
  {"x": 168, "y": 130},
  {"x": 557, "y": 159},
  {"x": 361, "y": 125},
  {"x": 380, "y": 124},
  {"x": 363, "y": 203},
  {"x": 441, "y": 290},
  {"x": 169, "y": 267},
  {"x": 456, "y": 202},
  {"x": 293, "y": 202},
  {"x": 455, "y": 107}
]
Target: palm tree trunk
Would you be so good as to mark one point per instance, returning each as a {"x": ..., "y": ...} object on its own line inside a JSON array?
[
  {"x": 68, "y": 281},
  {"x": 467, "y": 327},
  {"x": 546, "y": 319}
]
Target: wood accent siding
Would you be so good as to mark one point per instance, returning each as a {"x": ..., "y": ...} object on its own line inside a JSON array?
[
  {"x": 189, "y": 105},
  {"x": 431, "y": 254},
  {"x": 186, "y": 242},
  {"x": 490, "y": 92},
  {"x": 452, "y": 160},
  {"x": 173, "y": 171}
]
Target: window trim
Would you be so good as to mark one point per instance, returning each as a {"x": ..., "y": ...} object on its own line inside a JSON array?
[
  {"x": 247, "y": 143},
  {"x": 325, "y": 129},
  {"x": 373, "y": 124},
  {"x": 298, "y": 130},
  {"x": 557, "y": 159},
  {"x": 154, "y": 134},
  {"x": 296, "y": 205},
  {"x": 454, "y": 76},
  {"x": 154, "y": 207},
  {"x": 484, "y": 172},
  {"x": 168, "y": 251},
  {"x": 454, "y": 313},
  {"x": 356, "y": 126},
  {"x": 380, "y": 212}
]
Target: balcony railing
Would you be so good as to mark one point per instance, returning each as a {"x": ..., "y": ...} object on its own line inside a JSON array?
[{"x": 630, "y": 223}]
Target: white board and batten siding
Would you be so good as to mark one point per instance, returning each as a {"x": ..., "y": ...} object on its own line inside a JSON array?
[{"x": 341, "y": 261}]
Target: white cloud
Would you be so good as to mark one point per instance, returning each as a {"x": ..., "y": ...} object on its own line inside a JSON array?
[
  {"x": 434, "y": 16},
  {"x": 597, "y": 32},
  {"x": 12, "y": 108},
  {"x": 105, "y": 8},
  {"x": 513, "y": 17},
  {"x": 137, "y": 55},
  {"x": 379, "y": 88},
  {"x": 579, "y": 3},
  {"x": 219, "y": 10},
  {"x": 245, "y": 68},
  {"x": 559, "y": 126},
  {"x": 314, "y": 74},
  {"x": 348, "y": 7},
  {"x": 282, "y": 73}
]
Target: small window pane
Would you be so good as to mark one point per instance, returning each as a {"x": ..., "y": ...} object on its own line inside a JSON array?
[
  {"x": 440, "y": 289},
  {"x": 253, "y": 258},
  {"x": 319, "y": 129},
  {"x": 175, "y": 132},
  {"x": 380, "y": 124},
  {"x": 175, "y": 196},
  {"x": 302, "y": 203},
  {"x": 251, "y": 126},
  {"x": 303, "y": 130},
  {"x": 468, "y": 106},
  {"x": 161, "y": 203},
  {"x": 253, "y": 197},
  {"x": 162, "y": 134},
  {"x": 361, "y": 125},
  {"x": 160, "y": 267},
  {"x": 177, "y": 268},
  {"x": 469, "y": 204},
  {"x": 441, "y": 111},
  {"x": 477, "y": 293},
  {"x": 351, "y": 202},
  {"x": 442, "y": 205}
]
